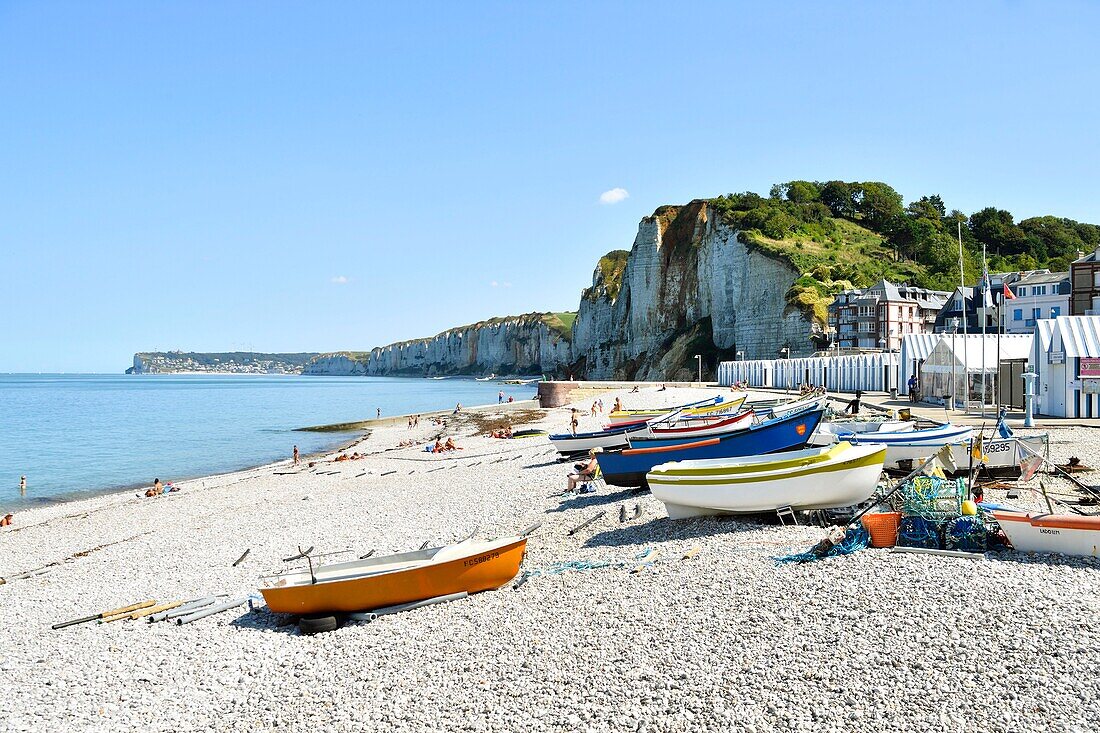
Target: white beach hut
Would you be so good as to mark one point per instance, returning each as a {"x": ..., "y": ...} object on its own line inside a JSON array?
[{"x": 1066, "y": 357}]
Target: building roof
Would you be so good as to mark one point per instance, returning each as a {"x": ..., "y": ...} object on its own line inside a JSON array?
[
  {"x": 975, "y": 352},
  {"x": 1077, "y": 336},
  {"x": 1093, "y": 256},
  {"x": 1039, "y": 278},
  {"x": 919, "y": 345}
]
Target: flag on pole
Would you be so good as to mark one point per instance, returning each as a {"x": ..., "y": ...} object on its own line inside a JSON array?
[
  {"x": 987, "y": 298},
  {"x": 1008, "y": 294},
  {"x": 1029, "y": 466}
]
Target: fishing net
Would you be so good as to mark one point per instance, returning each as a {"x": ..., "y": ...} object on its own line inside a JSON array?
[
  {"x": 932, "y": 497},
  {"x": 966, "y": 533},
  {"x": 855, "y": 538},
  {"x": 917, "y": 531}
]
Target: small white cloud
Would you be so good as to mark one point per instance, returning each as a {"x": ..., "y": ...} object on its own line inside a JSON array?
[
  {"x": 494, "y": 283},
  {"x": 340, "y": 280},
  {"x": 507, "y": 285},
  {"x": 614, "y": 196}
]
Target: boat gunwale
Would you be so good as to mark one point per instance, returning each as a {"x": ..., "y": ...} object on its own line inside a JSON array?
[{"x": 877, "y": 457}]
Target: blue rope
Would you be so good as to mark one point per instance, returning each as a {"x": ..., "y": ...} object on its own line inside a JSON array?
[
  {"x": 856, "y": 538},
  {"x": 577, "y": 566}
]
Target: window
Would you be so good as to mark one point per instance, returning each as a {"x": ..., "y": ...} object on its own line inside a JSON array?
[
  {"x": 1021, "y": 291},
  {"x": 1055, "y": 311},
  {"x": 1036, "y": 312},
  {"x": 1039, "y": 290},
  {"x": 1018, "y": 314}
]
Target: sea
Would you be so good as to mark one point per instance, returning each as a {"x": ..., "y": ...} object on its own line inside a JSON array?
[{"x": 77, "y": 435}]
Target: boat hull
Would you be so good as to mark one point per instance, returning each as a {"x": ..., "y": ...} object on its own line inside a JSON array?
[
  {"x": 567, "y": 444},
  {"x": 717, "y": 408},
  {"x": 485, "y": 570},
  {"x": 654, "y": 436},
  {"x": 847, "y": 479},
  {"x": 629, "y": 467},
  {"x": 1001, "y": 454},
  {"x": 1066, "y": 534}
]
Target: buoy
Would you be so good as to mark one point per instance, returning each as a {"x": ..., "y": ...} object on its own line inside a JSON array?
[{"x": 969, "y": 508}]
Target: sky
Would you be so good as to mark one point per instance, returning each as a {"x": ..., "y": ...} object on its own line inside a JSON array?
[{"x": 278, "y": 176}]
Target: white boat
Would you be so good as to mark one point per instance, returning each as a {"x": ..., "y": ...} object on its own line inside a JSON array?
[
  {"x": 787, "y": 408},
  {"x": 999, "y": 454},
  {"x": 815, "y": 478},
  {"x": 834, "y": 431},
  {"x": 693, "y": 428},
  {"x": 616, "y": 437},
  {"x": 1066, "y": 534},
  {"x": 488, "y": 378}
]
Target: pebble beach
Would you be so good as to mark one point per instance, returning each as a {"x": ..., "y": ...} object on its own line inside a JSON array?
[{"x": 724, "y": 640}]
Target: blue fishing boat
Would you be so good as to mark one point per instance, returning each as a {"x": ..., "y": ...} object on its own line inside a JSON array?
[{"x": 629, "y": 467}]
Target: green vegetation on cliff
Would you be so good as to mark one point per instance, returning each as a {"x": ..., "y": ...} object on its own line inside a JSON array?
[{"x": 842, "y": 234}]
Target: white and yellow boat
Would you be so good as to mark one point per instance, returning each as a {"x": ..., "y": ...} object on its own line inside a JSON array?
[
  {"x": 816, "y": 478},
  {"x": 718, "y": 408}
]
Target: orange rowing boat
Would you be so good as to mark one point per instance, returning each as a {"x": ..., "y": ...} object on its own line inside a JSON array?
[{"x": 364, "y": 585}]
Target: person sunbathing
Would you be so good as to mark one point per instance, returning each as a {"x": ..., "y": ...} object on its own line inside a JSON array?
[
  {"x": 438, "y": 447},
  {"x": 6, "y": 521},
  {"x": 450, "y": 445},
  {"x": 583, "y": 472}
]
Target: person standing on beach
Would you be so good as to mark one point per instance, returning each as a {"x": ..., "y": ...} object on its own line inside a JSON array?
[
  {"x": 297, "y": 458},
  {"x": 378, "y": 413},
  {"x": 22, "y": 485},
  {"x": 574, "y": 421},
  {"x": 500, "y": 396}
]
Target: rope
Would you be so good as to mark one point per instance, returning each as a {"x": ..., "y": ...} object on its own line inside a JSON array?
[
  {"x": 577, "y": 566},
  {"x": 856, "y": 538}
]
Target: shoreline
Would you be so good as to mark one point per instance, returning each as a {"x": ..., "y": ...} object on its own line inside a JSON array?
[
  {"x": 361, "y": 429},
  {"x": 657, "y": 636}
]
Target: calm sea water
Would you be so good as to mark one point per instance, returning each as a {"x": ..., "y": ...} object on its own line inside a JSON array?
[{"x": 75, "y": 435}]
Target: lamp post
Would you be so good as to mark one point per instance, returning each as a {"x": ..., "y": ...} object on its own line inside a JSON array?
[
  {"x": 699, "y": 358},
  {"x": 954, "y": 323},
  {"x": 785, "y": 353}
]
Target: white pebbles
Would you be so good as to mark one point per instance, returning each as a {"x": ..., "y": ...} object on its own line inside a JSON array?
[{"x": 724, "y": 641}]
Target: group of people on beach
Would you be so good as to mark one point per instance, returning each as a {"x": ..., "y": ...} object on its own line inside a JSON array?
[
  {"x": 158, "y": 488},
  {"x": 505, "y": 433},
  {"x": 414, "y": 421},
  {"x": 441, "y": 447}
]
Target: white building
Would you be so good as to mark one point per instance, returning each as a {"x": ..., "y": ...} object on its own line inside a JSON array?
[
  {"x": 1039, "y": 295},
  {"x": 967, "y": 367},
  {"x": 1066, "y": 357}
]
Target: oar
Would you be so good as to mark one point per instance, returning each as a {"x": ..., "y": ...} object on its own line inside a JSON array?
[
  {"x": 587, "y": 522},
  {"x": 96, "y": 617},
  {"x": 154, "y": 609}
]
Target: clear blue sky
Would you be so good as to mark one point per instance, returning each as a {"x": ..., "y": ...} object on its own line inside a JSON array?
[{"x": 320, "y": 176}]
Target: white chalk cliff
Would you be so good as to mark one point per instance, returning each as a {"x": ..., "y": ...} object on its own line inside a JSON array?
[
  {"x": 519, "y": 345},
  {"x": 690, "y": 286}
]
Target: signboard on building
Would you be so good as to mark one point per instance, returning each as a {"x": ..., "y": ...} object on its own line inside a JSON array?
[
  {"x": 1057, "y": 357},
  {"x": 1090, "y": 368}
]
